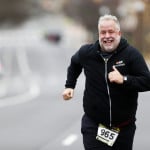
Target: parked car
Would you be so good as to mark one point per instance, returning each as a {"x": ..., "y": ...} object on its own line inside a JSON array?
[{"x": 53, "y": 37}]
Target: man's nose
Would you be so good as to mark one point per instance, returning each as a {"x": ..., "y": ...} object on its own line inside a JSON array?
[{"x": 107, "y": 34}]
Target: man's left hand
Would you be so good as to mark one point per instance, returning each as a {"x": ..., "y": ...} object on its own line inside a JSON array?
[{"x": 115, "y": 76}]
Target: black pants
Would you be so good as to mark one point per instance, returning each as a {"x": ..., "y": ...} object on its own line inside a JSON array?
[{"x": 89, "y": 132}]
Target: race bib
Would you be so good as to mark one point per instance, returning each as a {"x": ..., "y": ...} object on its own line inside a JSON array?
[{"x": 107, "y": 136}]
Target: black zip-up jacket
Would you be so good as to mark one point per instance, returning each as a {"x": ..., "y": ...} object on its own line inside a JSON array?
[{"x": 105, "y": 102}]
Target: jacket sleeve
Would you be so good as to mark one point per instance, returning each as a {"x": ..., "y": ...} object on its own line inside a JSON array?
[
  {"x": 74, "y": 70},
  {"x": 139, "y": 77}
]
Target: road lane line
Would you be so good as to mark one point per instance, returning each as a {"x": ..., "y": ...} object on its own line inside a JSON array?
[
  {"x": 69, "y": 140},
  {"x": 33, "y": 89},
  {"x": 33, "y": 92}
]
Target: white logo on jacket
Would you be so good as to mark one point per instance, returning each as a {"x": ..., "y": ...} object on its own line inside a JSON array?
[{"x": 119, "y": 63}]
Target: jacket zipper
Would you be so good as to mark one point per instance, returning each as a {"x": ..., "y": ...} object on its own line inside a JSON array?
[{"x": 108, "y": 91}]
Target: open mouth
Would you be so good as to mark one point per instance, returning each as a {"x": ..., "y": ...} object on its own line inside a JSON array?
[{"x": 108, "y": 41}]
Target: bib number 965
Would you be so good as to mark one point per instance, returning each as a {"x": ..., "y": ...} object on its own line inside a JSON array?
[{"x": 106, "y": 135}]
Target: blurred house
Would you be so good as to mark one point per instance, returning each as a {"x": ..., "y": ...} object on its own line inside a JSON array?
[{"x": 135, "y": 22}]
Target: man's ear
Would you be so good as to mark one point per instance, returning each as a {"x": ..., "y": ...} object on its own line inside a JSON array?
[{"x": 120, "y": 33}]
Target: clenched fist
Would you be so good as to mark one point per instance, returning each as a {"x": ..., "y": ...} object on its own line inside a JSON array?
[{"x": 68, "y": 93}]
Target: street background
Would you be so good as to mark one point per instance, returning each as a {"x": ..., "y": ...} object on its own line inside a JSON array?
[{"x": 37, "y": 39}]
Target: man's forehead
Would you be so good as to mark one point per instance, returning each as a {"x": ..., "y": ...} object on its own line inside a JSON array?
[
  {"x": 106, "y": 22},
  {"x": 109, "y": 24}
]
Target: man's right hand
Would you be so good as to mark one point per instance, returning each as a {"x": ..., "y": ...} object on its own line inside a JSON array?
[{"x": 68, "y": 93}]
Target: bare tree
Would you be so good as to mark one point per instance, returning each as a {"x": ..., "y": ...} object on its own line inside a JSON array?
[
  {"x": 16, "y": 11},
  {"x": 85, "y": 12}
]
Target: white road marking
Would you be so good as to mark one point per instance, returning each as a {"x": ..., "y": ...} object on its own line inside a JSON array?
[
  {"x": 29, "y": 95},
  {"x": 69, "y": 140},
  {"x": 33, "y": 87}
]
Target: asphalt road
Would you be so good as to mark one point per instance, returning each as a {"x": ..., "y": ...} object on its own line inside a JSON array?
[
  {"x": 44, "y": 121},
  {"x": 41, "y": 120}
]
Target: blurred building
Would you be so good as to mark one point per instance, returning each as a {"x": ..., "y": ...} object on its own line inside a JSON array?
[{"x": 135, "y": 22}]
